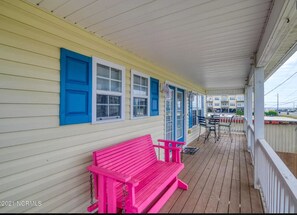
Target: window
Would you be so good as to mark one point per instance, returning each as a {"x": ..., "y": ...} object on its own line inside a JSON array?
[
  {"x": 108, "y": 91},
  {"x": 200, "y": 105},
  {"x": 140, "y": 94},
  {"x": 193, "y": 110},
  {"x": 217, "y": 98}
]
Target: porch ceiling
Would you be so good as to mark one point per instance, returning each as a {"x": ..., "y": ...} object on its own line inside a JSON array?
[{"x": 207, "y": 41}]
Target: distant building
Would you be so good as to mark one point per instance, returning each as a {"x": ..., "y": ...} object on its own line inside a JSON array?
[{"x": 225, "y": 103}]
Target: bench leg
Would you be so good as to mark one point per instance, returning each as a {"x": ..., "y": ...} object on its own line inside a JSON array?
[{"x": 182, "y": 185}]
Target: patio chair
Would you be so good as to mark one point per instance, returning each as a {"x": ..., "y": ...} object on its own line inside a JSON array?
[
  {"x": 202, "y": 123},
  {"x": 227, "y": 125},
  {"x": 211, "y": 126}
]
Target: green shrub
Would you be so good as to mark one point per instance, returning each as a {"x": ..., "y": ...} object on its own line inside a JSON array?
[
  {"x": 239, "y": 112},
  {"x": 271, "y": 113}
]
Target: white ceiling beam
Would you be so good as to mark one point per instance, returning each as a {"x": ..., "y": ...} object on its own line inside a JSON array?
[{"x": 282, "y": 18}]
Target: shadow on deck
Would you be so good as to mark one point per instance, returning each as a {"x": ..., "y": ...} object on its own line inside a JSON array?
[{"x": 220, "y": 179}]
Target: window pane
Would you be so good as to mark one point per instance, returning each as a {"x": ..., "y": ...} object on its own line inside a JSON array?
[
  {"x": 116, "y": 86},
  {"x": 114, "y": 100},
  {"x": 115, "y": 111},
  {"x": 102, "y": 70},
  {"x": 144, "y": 91},
  {"x": 135, "y": 101},
  {"x": 102, "y": 111},
  {"x": 141, "y": 91},
  {"x": 136, "y": 79},
  {"x": 102, "y": 99},
  {"x": 102, "y": 84},
  {"x": 136, "y": 90},
  {"x": 116, "y": 74},
  {"x": 140, "y": 107},
  {"x": 194, "y": 114},
  {"x": 140, "y": 111},
  {"x": 144, "y": 81},
  {"x": 142, "y": 101},
  {"x": 194, "y": 102}
]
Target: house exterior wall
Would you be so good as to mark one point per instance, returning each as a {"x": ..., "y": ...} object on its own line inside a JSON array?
[{"x": 39, "y": 159}]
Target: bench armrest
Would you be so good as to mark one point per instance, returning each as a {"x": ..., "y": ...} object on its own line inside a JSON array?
[
  {"x": 172, "y": 142},
  {"x": 109, "y": 173},
  {"x": 171, "y": 148},
  {"x": 112, "y": 174}
]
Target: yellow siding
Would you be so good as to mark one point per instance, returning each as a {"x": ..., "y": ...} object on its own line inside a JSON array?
[
  {"x": 194, "y": 133},
  {"x": 39, "y": 160}
]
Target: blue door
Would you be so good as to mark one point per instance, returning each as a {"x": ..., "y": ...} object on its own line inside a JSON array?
[
  {"x": 174, "y": 117},
  {"x": 180, "y": 115}
]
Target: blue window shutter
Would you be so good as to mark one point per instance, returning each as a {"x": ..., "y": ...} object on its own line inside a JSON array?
[
  {"x": 76, "y": 88},
  {"x": 190, "y": 112},
  {"x": 154, "y": 97}
]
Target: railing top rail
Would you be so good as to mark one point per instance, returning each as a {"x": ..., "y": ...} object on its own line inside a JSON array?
[{"x": 283, "y": 171}]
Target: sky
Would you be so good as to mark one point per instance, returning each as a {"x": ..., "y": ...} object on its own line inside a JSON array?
[{"x": 288, "y": 90}]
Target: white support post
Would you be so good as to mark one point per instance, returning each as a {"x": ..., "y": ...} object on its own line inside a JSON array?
[
  {"x": 259, "y": 116},
  {"x": 250, "y": 116}
]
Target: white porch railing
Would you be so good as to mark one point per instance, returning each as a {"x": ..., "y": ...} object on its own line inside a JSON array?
[
  {"x": 278, "y": 186},
  {"x": 251, "y": 140},
  {"x": 237, "y": 124}
]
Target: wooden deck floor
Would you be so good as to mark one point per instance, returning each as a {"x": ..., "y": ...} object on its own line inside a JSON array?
[{"x": 220, "y": 179}]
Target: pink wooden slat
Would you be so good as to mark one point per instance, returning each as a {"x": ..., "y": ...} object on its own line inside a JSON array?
[
  {"x": 171, "y": 141},
  {"x": 114, "y": 152},
  {"x": 125, "y": 154},
  {"x": 159, "y": 204},
  {"x": 102, "y": 196},
  {"x": 122, "y": 153},
  {"x": 166, "y": 151},
  {"x": 111, "y": 197},
  {"x": 131, "y": 191},
  {"x": 131, "y": 154},
  {"x": 124, "y": 163},
  {"x": 170, "y": 148},
  {"x": 124, "y": 144}
]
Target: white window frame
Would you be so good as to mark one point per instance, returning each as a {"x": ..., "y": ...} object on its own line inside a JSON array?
[
  {"x": 135, "y": 72},
  {"x": 95, "y": 91},
  {"x": 195, "y": 94}
]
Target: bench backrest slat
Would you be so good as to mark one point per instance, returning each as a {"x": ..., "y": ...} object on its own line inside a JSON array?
[{"x": 129, "y": 157}]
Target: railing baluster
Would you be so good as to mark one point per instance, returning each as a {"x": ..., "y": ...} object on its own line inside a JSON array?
[
  {"x": 282, "y": 197},
  {"x": 286, "y": 202}
]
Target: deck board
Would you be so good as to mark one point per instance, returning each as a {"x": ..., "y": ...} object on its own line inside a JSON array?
[{"x": 220, "y": 179}]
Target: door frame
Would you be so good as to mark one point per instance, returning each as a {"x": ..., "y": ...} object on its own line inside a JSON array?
[
  {"x": 184, "y": 113},
  {"x": 185, "y": 109}
]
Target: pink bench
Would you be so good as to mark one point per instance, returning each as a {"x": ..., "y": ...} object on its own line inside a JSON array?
[{"x": 129, "y": 176}]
